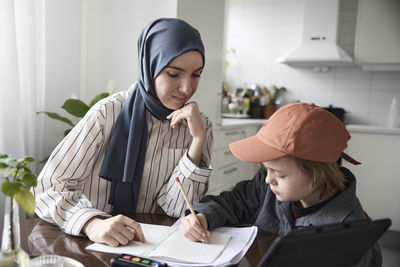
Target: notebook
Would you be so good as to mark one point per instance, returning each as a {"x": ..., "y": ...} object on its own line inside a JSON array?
[
  {"x": 333, "y": 245},
  {"x": 166, "y": 243}
]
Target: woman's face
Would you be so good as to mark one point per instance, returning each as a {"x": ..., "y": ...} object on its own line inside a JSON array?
[
  {"x": 288, "y": 183},
  {"x": 179, "y": 80}
]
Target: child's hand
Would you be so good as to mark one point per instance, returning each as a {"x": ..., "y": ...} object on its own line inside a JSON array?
[
  {"x": 114, "y": 231},
  {"x": 192, "y": 230}
]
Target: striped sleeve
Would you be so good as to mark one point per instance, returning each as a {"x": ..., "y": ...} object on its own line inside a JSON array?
[
  {"x": 194, "y": 180},
  {"x": 59, "y": 193}
]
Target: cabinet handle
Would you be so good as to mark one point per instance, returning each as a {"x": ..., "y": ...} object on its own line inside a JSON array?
[
  {"x": 230, "y": 170},
  {"x": 227, "y": 152},
  {"x": 231, "y": 133}
]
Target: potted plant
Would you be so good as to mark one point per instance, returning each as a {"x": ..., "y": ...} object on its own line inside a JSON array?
[
  {"x": 76, "y": 108},
  {"x": 18, "y": 179}
]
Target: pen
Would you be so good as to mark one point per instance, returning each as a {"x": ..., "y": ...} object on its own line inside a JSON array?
[{"x": 188, "y": 203}]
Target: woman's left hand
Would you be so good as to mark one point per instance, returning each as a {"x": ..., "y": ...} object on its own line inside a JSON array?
[{"x": 191, "y": 113}]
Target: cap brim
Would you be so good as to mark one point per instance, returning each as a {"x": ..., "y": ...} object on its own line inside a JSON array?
[{"x": 251, "y": 149}]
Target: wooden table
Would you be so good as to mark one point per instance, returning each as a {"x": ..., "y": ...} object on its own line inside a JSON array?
[{"x": 39, "y": 237}]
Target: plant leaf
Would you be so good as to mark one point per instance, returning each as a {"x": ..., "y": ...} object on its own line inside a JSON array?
[
  {"x": 55, "y": 116},
  {"x": 67, "y": 132},
  {"x": 26, "y": 200},
  {"x": 7, "y": 171},
  {"x": 44, "y": 160},
  {"x": 75, "y": 107},
  {"x": 11, "y": 162},
  {"x": 10, "y": 188},
  {"x": 29, "y": 159},
  {"x": 29, "y": 179},
  {"x": 98, "y": 97}
]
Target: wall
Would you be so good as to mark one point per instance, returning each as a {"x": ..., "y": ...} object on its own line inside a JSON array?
[
  {"x": 88, "y": 43},
  {"x": 212, "y": 34},
  {"x": 263, "y": 30}
]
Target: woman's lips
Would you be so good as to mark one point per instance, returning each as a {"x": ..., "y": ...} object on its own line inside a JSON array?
[{"x": 180, "y": 99}]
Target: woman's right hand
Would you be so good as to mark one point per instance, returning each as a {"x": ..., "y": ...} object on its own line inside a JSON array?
[
  {"x": 192, "y": 230},
  {"x": 114, "y": 231}
]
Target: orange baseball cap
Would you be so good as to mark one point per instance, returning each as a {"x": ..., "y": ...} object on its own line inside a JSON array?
[{"x": 302, "y": 130}]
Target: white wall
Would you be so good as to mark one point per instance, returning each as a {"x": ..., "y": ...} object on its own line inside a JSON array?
[
  {"x": 263, "y": 30},
  {"x": 207, "y": 16},
  {"x": 88, "y": 43}
]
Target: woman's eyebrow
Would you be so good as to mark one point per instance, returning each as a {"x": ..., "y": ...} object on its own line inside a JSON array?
[{"x": 180, "y": 69}]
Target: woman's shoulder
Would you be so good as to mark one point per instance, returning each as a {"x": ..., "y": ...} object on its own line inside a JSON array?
[
  {"x": 115, "y": 98},
  {"x": 108, "y": 108}
]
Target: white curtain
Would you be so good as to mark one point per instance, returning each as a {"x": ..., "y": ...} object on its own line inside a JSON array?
[{"x": 21, "y": 78}]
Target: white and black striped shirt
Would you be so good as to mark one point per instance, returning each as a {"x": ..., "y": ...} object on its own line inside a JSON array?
[{"x": 70, "y": 192}]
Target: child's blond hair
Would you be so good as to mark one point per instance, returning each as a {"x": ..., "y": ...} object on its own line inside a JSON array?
[{"x": 326, "y": 176}]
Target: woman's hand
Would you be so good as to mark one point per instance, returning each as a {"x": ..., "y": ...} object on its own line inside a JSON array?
[
  {"x": 192, "y": 230},
  {"x": 114, "y": 231},
  {"x": 190, "y": 112}
]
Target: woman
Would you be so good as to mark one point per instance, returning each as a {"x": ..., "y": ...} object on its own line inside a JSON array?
[{"x": 125, "y": 154}]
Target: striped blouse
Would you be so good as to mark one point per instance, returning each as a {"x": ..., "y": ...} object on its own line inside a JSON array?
[{"x": 70, "y": 192}]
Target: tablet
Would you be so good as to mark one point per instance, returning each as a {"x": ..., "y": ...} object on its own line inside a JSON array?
[{"x": 335, "y": 245}]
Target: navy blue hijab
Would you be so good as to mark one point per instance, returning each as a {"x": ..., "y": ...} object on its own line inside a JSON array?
[{"x": 159, "y": 43}]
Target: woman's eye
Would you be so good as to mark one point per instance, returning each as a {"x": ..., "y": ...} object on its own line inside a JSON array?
[
  {"x": 172, "y": 74},
  {"x": 196, "y": 75}
]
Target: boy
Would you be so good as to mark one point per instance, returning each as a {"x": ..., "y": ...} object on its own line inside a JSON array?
[{"x": 298, "y": 148}]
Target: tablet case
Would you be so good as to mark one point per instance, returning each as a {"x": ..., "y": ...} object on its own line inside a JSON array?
[{"x": 335, "y": 245}]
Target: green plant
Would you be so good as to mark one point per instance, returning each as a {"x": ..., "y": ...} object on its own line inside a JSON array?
[
  {"x": 18, "y": 179},
  {"x": 76, "y": 108}
]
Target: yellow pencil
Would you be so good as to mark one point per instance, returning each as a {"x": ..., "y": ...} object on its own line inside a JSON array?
[{"x": 188, "y": 203}]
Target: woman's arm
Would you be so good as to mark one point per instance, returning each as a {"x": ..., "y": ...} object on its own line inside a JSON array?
[
  {"x": 194, "y": 178},
  {"x": 58, "y": 194}
]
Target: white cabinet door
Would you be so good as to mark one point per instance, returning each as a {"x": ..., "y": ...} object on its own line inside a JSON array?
[
  {"x": 377, "y": 45},
  {"x": 227, "y": 169},
  {"x": 378, "y": 177}
]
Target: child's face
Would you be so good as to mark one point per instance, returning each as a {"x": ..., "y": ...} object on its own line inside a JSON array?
[{"x": 288, "y": 183}]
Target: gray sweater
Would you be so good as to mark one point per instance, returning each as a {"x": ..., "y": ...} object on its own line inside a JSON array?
[{"x": 252, "y": 202}]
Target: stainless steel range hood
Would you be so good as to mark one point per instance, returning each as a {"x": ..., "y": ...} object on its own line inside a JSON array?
[{"x": 319, "y": 46}]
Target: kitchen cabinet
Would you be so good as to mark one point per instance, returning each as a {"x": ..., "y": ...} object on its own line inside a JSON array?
[
  {"x": 378, "y": 177},
  {"x": 227, "y": 169},
  {"x": 377, "y": 44}
]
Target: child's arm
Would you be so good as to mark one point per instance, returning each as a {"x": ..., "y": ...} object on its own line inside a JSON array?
[{"x": 239, "y": 206}]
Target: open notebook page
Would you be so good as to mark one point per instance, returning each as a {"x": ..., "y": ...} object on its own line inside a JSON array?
[
  {"x": 178, "y": 248},
  {"x": 163, "y": 242}
]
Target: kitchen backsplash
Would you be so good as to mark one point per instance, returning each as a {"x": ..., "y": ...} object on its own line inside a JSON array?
[{"x": 261, "y": 31}]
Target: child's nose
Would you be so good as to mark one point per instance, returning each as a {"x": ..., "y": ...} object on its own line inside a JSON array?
[{"x": 269, "y": 179}]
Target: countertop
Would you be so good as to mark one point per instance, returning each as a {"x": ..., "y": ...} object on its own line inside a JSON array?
[
  {"x": 372, "y": 129},
  {"x": 226, "y": 122},
  {"x": 352, "y": 128}
]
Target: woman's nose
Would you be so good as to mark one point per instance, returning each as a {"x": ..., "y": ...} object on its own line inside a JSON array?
[{"x": 186, "y": 86}]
